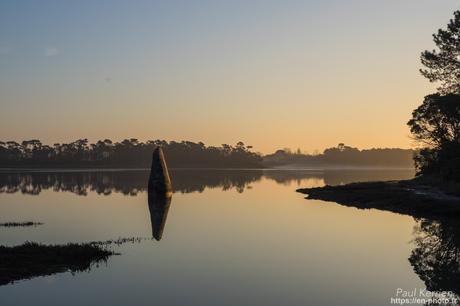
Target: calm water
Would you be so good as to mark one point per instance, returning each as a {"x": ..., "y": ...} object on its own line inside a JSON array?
[{"x": 230, "y": 238}]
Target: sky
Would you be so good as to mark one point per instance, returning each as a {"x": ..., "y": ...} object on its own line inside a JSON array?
[{"x": 273, "y": 74}]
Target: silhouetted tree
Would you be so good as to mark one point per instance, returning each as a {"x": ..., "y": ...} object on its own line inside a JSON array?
[
  {"x": 443, "y": 65},
  {"x": 436, "y": 123}
]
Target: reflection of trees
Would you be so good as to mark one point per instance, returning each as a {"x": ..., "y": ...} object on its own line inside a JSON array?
[
  {"x": 436, "y": 257},
  {"x": 287, "y": 177},
  {"x": 76, "y": 182},
  {"x": 184, "y": 181},
  {"x": 339, "y": 177},
  {"x": 125, "y": 182}
]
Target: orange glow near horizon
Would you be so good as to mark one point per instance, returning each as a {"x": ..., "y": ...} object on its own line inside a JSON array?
[{"x": 274, "y": 76}]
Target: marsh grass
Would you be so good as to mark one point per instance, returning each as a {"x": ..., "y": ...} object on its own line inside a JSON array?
[
  {"x": 33, "y": 259},
  {"x": 20, "y": 224}
]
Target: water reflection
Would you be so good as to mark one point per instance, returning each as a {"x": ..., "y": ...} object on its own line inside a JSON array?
[
  {"x": 184, "y": 181},
  {"x": 436, "y": 257},
  {"x": 158, "y": 208}
]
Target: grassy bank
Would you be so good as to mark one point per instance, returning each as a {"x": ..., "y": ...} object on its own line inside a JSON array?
[
  {"x": 33, "y": 259},
  {"x": 20, "y": 224}
]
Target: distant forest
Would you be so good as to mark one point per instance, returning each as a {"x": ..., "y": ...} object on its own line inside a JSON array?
[
  {"x": 132, "y": 153},
  {"x": 129, "y": 153},
  {"x": 343, "y": 156}
]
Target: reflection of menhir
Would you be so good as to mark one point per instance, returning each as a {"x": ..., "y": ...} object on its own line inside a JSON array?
[
  {"x": 158, "y": 207},
  {"x": 159, "y": 193}
]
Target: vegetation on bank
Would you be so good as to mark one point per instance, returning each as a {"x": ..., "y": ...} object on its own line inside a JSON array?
[
  {"x": 20, "y": 224},
  {"x": 33, "y": 259}
]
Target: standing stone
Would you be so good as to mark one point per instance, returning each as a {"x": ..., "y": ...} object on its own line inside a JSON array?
[
  {"x": 159, "y": 193},
  {"x": 160, "y": 180}
]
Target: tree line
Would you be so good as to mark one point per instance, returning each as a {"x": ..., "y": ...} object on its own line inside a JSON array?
[
  {"x": 344, "y": 155},
  {"x": 130, "y": 153}
]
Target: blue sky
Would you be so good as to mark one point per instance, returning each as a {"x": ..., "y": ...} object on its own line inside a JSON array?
[{"x": 273, "y": 74}]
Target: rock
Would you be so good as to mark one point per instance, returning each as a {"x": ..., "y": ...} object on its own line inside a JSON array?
[{"x": 160, "y": 180}]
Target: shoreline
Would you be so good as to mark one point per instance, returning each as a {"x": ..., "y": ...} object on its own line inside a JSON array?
[{"x": 408, "y": 197}]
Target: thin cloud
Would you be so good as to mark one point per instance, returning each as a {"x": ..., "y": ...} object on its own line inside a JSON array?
[{"x": 52, "y": 51}]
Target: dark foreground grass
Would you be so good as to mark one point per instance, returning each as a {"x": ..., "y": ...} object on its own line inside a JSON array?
[
  {"x": 20, "y": 224},
  {"x": 33, "y": 259},
  {"x": 411, "y": 197}
]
